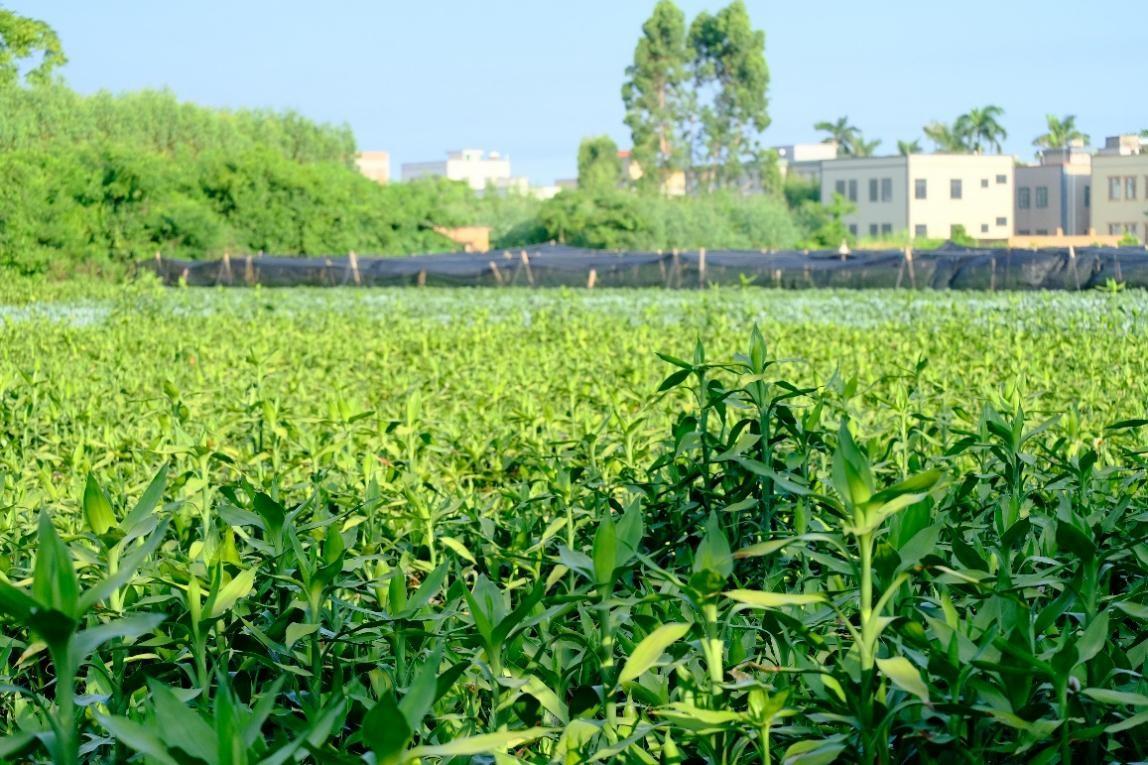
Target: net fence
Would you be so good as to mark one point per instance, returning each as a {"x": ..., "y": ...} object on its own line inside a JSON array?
[{"x": 949, "y": 267}]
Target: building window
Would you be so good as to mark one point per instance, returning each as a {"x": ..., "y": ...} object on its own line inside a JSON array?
[
  {"x": 872, "y": 189},
  {"x": 839, "y": 187},
  {"x": 955, "y": 188},
  {"x": 886, "y": 189},
  {"x": 1042, "y": 232},
  {"x": 1130, "y": 228},
  {"x": 1042, "y": 197},
  {"x": 852, "y": 190},
  {"x": 1113, "y": 229},
  {"x": 1024, "y": 197},
  {"x": 1002, "y": 180},
  {"x": 1022, "y": 231},
  {"x": 984, "y": 183},
  {"x": 921, "y": 188},
  {"x": 1114, "y": 188},
  {"x": 1088, "y": 196},
  {"x": 873, "y": 229},
  {"x": 984, "y": 228},
  {"x": 852, "y": 229},
  {"x": 1002, "y": 221},
  {"x": 886, "y": 229},
  {"x": 920, "y": 230},
  {"x": 1130, "y": 187}
]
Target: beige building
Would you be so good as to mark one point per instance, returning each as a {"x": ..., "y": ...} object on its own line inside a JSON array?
[
  {"x": 376, "y": 165},
  {"x": 926, "y": 195},
  {"x": 1055, "y": 197},
  {"x": 480, "y": 170},
  {"x": 1120, "y": 188}
]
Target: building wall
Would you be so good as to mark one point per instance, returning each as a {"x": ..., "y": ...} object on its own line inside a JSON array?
[
  {"x": 1077, "y": 189},
  {"x": 413, "y": 170},
  {"x": 376, "y": 165},
  {"x": 1114, "y": 209},
  {"x": 885, "y": 215},
  {"x": 985, "y": 206},
  {"x": 1030, "y": 217},
  {"x": 472, "y": 166}
]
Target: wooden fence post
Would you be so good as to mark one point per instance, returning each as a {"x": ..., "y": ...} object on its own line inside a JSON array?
[
  {"x": 353, "y": 263},
  {"x": 909, "y": 263},
  {"x": 497, "y": 273},
  {"x": 593, "y": 279},
  {"x": 526, "y": 263},
  {"x": 701, "y": 267}
]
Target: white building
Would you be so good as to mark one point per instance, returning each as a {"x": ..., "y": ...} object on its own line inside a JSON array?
[
  {"x": 480, "y": 170},
  {"x": 804, "y": 159}
]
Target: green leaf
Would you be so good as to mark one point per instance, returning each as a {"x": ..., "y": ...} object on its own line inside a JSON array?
[
  {"x": 486, "y": 743},
  {"x": 458, "y": 547},
  {"x": 1072, "y": 539},
  {"x": 420, "y": 697},
  {"x": 1135, "y": 610},
  {"x": 713, "y": 553},
  {"x": 90, "y": 639},
  {"x": 129, "y": 567},
  {"x": 605, "y": 552},
  {"x": 385, "y": 728},
  {"x": 1134, "y": 721},
  {"x": 760, "y": 599},
  {"x": 230, "y": 593},
  {"x": 97, "y": 508},
  {"x": 675, "y": 379},
  {"x": 1119, "y": 698},
  {"x": 652, "y": 646},
  {"x": 852, "y": 476},
  {"x": 54, "y": 580},
  {"x": 141, "y": 739},
  {"x": 16, "y": 603},
  {"x": 297, "y": 630},
  {"x": 146, "y": 505},
  {"x": 813, "y": 752},
  {"x": 905, "y": 676},
  {"x": 181, "y": 727},
  {"x": 1093, "y": 638}
]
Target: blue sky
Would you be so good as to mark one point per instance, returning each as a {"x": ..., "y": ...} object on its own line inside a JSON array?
[{"x": 531, "y": 79}]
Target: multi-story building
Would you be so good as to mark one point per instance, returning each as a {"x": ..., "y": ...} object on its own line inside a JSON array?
[
  {"x": 376, "y": 165},
  {"x": 926, "y": 195},
  {"x": 1120, "y": 188},
  {"x": 1055, "y": 197},
  {"x": 477, "y": 168}
]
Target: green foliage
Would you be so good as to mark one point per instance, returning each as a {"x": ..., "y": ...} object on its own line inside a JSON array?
[
  {"x": 29, "y": 45},
  {"x": 599, "y": 167},
  {"x": 656, "y": 95},
  {"x": 618, "y": 219},
  {"x": 850, "y": 142},
  {"x": 905, "y": 148},
  {"x": 731, "y": 79},
  {"x": 974, "y": 132},
  {"x": 834, "y": 537},
  {"x": 1062, "y": 131},
  {"x": 824, "y": 225}
]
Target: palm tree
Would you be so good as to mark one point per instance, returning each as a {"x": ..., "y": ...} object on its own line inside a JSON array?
[
  {"x": 981, "y": 128},
  {"x": 841, "y": 133},
  {"x": 863, "y": 148},
  {"x": 946, "y": 139},
  {"x": 1061, "y": 133},
  {"x": 905, "y": 148}
]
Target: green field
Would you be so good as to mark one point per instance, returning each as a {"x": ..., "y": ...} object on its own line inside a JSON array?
[{"x": 496, "y": 526}]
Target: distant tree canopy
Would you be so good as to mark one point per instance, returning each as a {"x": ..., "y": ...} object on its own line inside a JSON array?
[{"x": 598, "y": 164}]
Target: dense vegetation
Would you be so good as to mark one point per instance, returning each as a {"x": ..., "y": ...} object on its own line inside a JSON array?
[{"x": 422, "y": 525}]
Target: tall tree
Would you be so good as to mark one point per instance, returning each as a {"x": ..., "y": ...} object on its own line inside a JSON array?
[
  {"x": 1062, "y": 131},
  {"x": 946, "y": 138},
  {"x": 981, "y": 128},
  {"x": 839, "y": 132},
  {"x": 598, "y": 164},
  {"x": 23, "y": 39},
  {"x": 729, "y": 67},
  {"x": 905, "y": 148},
  {"x": 863, "y": 148},
  {"x": 656, "y": 94}
]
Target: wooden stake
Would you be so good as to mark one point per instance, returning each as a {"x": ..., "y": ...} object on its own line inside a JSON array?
[
  {"x": 702, "y": 267},
  {"x": 497, "y": 273},
  {"x": 226, "y": 269},
  {"x": 526, "y": 263},
  {"x": 593, "y": 279},
  {"x": 353, "y": 262},
  {"x": 422, "y": 282},
  {"x": 248, "y": 271},
  {"x": 909, "y": 262}
]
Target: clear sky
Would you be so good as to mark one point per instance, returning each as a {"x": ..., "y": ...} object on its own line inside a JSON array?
[{"x": 530, "y": 78}]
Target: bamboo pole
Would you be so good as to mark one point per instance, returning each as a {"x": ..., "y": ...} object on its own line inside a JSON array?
[
  {"x": 526, "y": 263},
  {"x": 702, "y": 267},
  {"x": 353, "y": 263},
  {"x": 497, "y": 274}
]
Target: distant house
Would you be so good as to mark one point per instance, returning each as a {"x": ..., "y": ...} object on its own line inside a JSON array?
[
  {"x": 1054, "y": 197},
  {"x": 1120, "y": 188},
  {"x": 376, "y": 165},
  {"x": 926, "y": 195},
  {"x": 480, "y": 170}
]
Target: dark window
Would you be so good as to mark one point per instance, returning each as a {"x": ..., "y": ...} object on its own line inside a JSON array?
[
  {"x": 921, "y": 188},
  {"x": 853, "y": 229},
  {"x": 1023, "y": 231},
  {"x": 1002, "y": 221},
  {"x": 1042, "y": 232},
  {"x": 1002, "y": 179},
  {"x": 886, "y": 189},
  {"x": 955, "y": 188},
  {"x": 886, "y": 229},
  {"x": 852, "y": 190},
  {"x": 839, "y": 187},
  {"x": 872, "y": 229},
  {"x": 1024, "y": 197},
  {"x": 872, "y": 189},
  {"x": 920, "y": 230},
  {"x": 1042, "y": 197},
  {"x": 1114, "y": 188},
  {"x": 984, "y": 228},
  {"x": 984, "y": 183},
  {"x": 1088, "y": 196},
  {"x": 1130, "y": 187}
]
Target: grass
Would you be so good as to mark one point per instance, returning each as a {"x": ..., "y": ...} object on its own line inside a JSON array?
[{"x": 620, "y": 526}]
